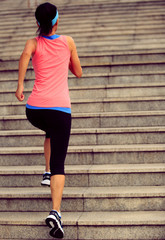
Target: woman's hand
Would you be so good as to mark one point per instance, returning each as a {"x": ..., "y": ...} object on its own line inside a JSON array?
[{"x": 19, "y": 93}]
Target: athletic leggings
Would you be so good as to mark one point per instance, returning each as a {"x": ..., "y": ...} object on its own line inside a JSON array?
[{"x": 57, "y": 125}]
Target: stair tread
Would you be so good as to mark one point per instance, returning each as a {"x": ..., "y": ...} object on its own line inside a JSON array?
[
  {"x": 89, "y": 54},
  {"x": 98, "y": 100},
  {"x": 87, "y": 218},
  {"x": 93, "y": 114},
  {"x": 93, "y": 169},
  {"x": 85, "y": 192},
  {"x": 88, "y": 131},
  {"x": 105, "y": 64},
  {"x": 99, "y": 87},
  {"x": 91, "y": 148},
  {"x": 88, "y": 75}
]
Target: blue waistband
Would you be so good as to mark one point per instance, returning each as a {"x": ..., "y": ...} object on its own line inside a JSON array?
[{"x": 62, "y": 109}]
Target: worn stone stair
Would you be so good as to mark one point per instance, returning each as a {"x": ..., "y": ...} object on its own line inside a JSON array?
[
  {"x": 88, "y": 136},
  {"x": 76, "y": 199},
  {"x": 87, "y": 225},
  {"x": 89, "y": 175},
  {"x": 115, "y": 171}
]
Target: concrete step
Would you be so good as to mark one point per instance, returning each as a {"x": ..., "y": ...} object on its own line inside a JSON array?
[
  {"x": 130, "y": 56},
  {"x": 94, "y": 26},
  {"x": 72, "y": 5},
  {"x": 88, "y": 136},
  {"x": 99, "y": 120},
  {"x": 87, "y": 225},
  {"x": 74, "y": 10},
  {"x": 148, "y": 4},
  {"x": 112, "y": 48},
  {"x": 120, "y": 40},
  {"x": 140, "y": 153},
  {"x": 105, "y": 175},
  {"x": 111, "y": 19},
  {"x": 98, "y": 46},
  {"x": 97, "y": 105},
  {"x": 116, "y": 35},
  {"x": 93, "y": 79},
  {"x": 96, "y": 38},
  {"x": 130, "y": 21},
  {"x": 101, "y": 91},
  {"x": 124, "y": 12},
  {"x": 132, "y": 77},
  {"x": 98, "y": 68},
  {"x": 115, "y": 43},
  {"x": 124, "y": 90},
  {"x": 89, "y": 20},
  {"x": 9, "y": 82},
  {"x": 84, "y": 199},
  {"x": 99, "y": 49}
]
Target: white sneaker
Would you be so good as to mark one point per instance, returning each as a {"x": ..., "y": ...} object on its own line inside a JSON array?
[
  {"x": 46, "y": 179},
  {"x": 54, "y": 221}
]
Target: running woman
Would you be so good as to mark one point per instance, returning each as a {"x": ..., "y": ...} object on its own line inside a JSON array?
[{"x": 48, "y": 107}]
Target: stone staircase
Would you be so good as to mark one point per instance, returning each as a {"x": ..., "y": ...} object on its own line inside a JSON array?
[{"x": 115, "y": 171}]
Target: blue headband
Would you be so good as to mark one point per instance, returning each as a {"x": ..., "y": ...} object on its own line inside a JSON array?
[{"x": 54, "y": 20}]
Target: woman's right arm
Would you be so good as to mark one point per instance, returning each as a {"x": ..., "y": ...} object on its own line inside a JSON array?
[
  {"x": 74, "y": 65},
  {"x": 29, "y": 49}
]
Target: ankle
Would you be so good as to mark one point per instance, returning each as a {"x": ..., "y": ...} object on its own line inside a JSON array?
[{"x": 58, "y": 211}]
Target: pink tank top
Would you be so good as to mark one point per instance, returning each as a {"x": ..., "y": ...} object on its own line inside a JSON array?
[{"x": 51, "y": 63}]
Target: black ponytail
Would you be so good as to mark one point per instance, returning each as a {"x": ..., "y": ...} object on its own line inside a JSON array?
[{"x": 44, "y": 15}]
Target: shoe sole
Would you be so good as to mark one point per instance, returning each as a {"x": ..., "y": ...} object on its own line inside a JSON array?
[
  {"x": 45, "y": 183},
  {"x": 56, "y": 231}
]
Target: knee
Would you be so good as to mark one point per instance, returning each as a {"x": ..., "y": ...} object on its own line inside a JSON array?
[{"x": 57, "y": 169}]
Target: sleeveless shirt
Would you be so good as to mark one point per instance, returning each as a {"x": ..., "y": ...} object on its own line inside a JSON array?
[{"x": 51, "y": 64}]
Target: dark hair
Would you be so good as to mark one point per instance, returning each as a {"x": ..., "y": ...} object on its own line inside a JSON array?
[{"x": 44, "y": 15}]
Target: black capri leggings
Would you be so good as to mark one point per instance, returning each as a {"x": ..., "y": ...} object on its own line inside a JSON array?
[{"x": 57, "y": 126}]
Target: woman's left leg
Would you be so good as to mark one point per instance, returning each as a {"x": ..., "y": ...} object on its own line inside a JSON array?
[
  {"x": 59, "y": 140},
  {"x": 57, "y": 185},
  {"x": 59, "y": 130}
]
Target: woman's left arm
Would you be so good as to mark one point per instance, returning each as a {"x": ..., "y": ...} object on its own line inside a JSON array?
[{"x": 29, "y": 49}]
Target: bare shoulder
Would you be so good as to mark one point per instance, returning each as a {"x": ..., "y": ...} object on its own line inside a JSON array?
[
  {"x": 69, "y": 39},
  {"x": 31, "y": 45},
  {"x": 71, "y": 43},
  {"x": 31, "y": 42}
]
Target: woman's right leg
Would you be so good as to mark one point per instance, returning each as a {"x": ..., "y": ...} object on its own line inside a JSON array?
[
  {"x": 47, "y": 174},
  {"x": 47, "y": 154},
  {"x": 36, "y": 118}
]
